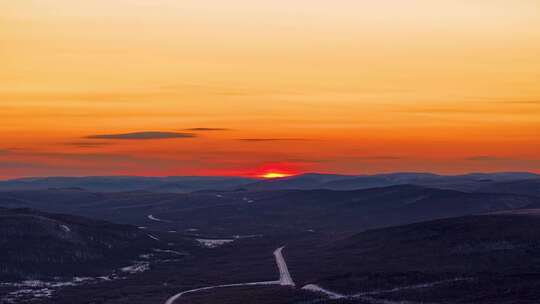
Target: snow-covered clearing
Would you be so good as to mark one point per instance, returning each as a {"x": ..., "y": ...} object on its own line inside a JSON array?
[
  {"x": 136, "y": 268},
  {"x": 209, "y": 243}
]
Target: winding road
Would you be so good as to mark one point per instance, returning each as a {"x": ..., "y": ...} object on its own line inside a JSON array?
[
  {"x": 173, "y": 299},
  {"x": 285, "y": 279}
]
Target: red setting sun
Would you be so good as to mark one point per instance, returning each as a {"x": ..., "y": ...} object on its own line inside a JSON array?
[
  {"x": 275, "y": 175},
  {"x": 277, "y": 170}
]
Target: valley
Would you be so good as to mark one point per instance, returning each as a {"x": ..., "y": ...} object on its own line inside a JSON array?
[{"x": 395, "y": 244}]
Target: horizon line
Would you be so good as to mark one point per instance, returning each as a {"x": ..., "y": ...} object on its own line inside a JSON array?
[{"x": 262, "y": 178}]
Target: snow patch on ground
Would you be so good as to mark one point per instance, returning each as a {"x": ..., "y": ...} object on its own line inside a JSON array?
[
  {"x": 155, "y": 219},
  {"x": 138, "y": 267},
  {"x": 366, "y": 296},
  {"x": 247, "y": 236},
  {"x": 105, "y": 278},
  {"x": 65, "y": 228},
  {"x": 316, "y": 288},
  {"x": 208, "y": 243},
  {"x": 82, "y": 279},
  {"x": 30, "y": 290},
  {"x": 169, "y": 251},
  {"x": 29, "y": 294},
  {"x": 417, "y": 286},
  {"x": 153, "y": 237}
]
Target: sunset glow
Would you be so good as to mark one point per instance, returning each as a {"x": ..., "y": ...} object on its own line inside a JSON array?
[
  {"x": 275, "y": 175},
  {"x": 200, "y": 87}
]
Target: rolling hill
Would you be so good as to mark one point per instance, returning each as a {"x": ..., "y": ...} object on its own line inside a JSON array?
[
  {"x": 39, "y": 245},
  {"x": 473, "y": 259},
  {"x": 269, "y": 212}
]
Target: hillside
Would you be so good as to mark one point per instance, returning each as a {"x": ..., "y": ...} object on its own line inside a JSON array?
[
  {"x": 473, "y": 259},
  {"x": 38, "y": 245},
  {"x": 269, "y": 212},
  {"x": 527, "y": 187}
]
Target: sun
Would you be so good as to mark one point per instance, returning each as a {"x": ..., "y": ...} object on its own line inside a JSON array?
[
  {"x": 275, "y": 175},
  {"x": 275, "y": 170}
]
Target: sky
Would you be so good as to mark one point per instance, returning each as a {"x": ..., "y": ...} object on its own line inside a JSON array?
[{"x": 238, "y": 87}]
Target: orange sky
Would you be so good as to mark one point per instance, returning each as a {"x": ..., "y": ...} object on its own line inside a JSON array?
[{"x": 341, "y": 86}]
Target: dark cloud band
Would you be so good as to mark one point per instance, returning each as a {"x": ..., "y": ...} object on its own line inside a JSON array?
[{"x": 143, "y": 135}]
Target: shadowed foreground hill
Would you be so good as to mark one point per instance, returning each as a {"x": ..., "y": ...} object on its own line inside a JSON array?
[
  {"x": 37, "y": 245},
  {"x": 473, "y": 259},
  {"x": 476, "y": 259}
]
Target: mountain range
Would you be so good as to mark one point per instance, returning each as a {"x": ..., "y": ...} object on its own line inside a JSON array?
[{"x": 308, "y": 181}]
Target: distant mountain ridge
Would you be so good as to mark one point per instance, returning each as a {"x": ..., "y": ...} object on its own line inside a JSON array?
[
  {"x": 174, "y": 184},
  {"x": 309, "y": 181},
  {"x": 465, "y": 182}
]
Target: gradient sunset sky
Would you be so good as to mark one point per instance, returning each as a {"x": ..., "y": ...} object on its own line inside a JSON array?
[{"x": 238, "y": 87}]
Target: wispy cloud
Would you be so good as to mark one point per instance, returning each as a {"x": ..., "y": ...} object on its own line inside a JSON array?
[
  {"x": 11, "y": 151},
  {"x": 143, "y": 135},
  {"x": 207, "y": 129},
  {"x": 379, "y": 157},
  {"x": 84, "y": 144},
  {"x": 482, "y": 106},
  {"x": 487, "y": 158},
  {"x": 84, "y": 157},
  {"x": 21, "y": 165},
  {"x": 270, "y": 139},
  {"x": 533, "y": 101},
  {"x": 524, "y": 102}
]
